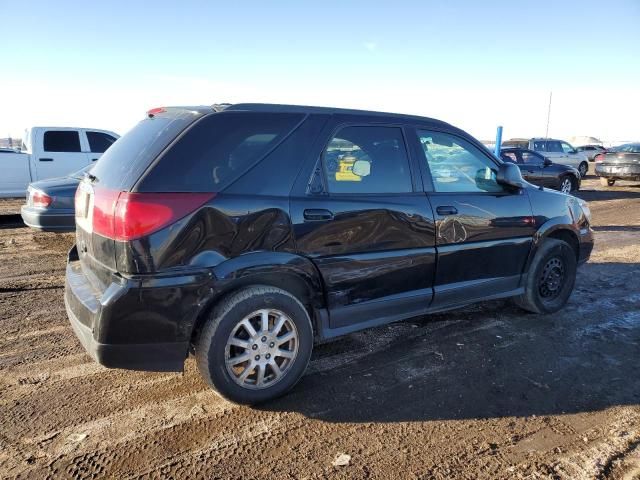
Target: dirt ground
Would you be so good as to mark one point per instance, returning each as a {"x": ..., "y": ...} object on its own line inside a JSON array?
[{"x": 482, "y": 392}]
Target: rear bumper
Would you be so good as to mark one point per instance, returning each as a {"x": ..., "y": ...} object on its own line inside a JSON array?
[
  {"x": 48, "y": 220},
  {"x": 156, "y": 357},
  {"x": 120, "y": 327},
  {"x": 621, "y": 172}
]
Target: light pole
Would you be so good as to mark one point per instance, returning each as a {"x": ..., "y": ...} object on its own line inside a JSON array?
[{"x": 546, "y": 133}]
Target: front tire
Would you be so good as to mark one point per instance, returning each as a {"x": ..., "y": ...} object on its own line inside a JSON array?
[
  {"x": 256, "y": 344},
  {"x": 567, "y": 184},
  {"x": 583, "y": 168},
  {"x": 551, "y": 277}
]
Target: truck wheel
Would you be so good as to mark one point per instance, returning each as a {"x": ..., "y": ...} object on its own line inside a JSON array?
[
  {"x": 583, "y": 168},
  {"x": 256, "y": 344},
  {"x": 607, "y": 182},
  {"x": 550, "y": 279}
]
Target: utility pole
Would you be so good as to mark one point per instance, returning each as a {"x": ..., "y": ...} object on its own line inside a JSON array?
[{"x": 546, "y": 133}]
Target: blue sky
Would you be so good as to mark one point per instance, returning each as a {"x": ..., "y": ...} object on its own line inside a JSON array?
[{"x": 475, "y": 64}]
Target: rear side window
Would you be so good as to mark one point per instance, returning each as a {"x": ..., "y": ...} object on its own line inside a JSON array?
[
  {"x": 554, "y": 146},
  {"x": 367, "y": 160},
  {"x": 540, "y": 146},
  {"x": 217, "y": 150},
  {"x": 61, "y": 141},
  {"x": 99, "y": 141}
]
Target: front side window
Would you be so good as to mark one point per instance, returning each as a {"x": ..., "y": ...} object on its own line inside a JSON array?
[
  {"x": 367, "y": 160},
  {"x": 99, "y": 141},
  {"x": 566, "y": 148},
  {"x": 61, "y": 141},
  {"x": 456, "y": 165},
  {"x": 531, "y": 158},
  {"x": 509, "y": 157}
]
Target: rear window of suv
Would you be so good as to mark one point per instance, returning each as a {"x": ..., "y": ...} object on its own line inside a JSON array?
[
  {"x": 217, "y": 150},
  {"x": 124, "y": 162}
]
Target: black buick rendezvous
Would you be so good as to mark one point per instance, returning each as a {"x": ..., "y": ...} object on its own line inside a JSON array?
[{"x": 244, "y": 234}]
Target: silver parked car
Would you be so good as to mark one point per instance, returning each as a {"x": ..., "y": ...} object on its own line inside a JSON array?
[{"x": 556, "y": 150}]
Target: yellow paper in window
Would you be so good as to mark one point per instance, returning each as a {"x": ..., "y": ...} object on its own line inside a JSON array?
[{"x": 345, "y": 171}]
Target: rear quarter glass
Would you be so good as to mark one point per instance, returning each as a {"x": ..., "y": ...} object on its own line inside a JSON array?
[
  {"x": 127, "y": 159},
  {"x": 216, "y": 150}
]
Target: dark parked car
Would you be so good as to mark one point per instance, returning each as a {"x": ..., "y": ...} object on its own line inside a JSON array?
[
  {"x": 619, "y": 163},
  {"x": 243, "y": 234},
  {"x": 541, "y": 171},
  {"x": 50, "y": 205}
]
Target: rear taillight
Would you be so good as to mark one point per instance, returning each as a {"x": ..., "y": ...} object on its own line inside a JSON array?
[
  {"x": 126, "y": 216},
  {"x": 40, "y": 199},
  {"x": 599, "y": 158}
]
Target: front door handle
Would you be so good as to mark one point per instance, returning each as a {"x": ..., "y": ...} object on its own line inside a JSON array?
[
  {"x": 446, "y": 210},
  {"x": 46, "y": 159},
  {"x": 94, "y": 159},
  {"x": 315, "y": 214}
]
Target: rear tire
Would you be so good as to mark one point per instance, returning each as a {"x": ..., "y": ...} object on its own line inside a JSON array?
[
  {"x": 583, "y": 168},
  {"x": 271, "y": 365},
  {"x": 607, "y": 182},
  {"x": 551, "y": 277}
]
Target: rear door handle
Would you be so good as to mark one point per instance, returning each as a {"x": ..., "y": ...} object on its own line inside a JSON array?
[
  {"x": 94, "y": 159},
  {"x": 46, "y": 159},
  {"x": 446, "y": 210},
  {"x": 315, "y": 214}
]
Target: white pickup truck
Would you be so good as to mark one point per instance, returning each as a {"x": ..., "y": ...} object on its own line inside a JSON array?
[{"x": 48, "y": 152}]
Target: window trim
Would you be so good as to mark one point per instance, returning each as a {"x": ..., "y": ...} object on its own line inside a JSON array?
[
  {"x": 325, "y": 181},
  {"x": 424, "y": 164}
]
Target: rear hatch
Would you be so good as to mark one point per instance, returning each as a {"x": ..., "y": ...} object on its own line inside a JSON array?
[
  {"x": 114, "y": 175},
  {"x": 130, "y": 207}
]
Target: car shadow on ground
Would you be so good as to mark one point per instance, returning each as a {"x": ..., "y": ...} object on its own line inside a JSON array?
[
  {"x": 487, "y": 360},
  {"x": 616, "y": 228},
  {"x": 613, "y": 194}
]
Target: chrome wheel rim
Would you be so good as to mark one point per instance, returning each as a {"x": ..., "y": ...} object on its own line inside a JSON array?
[
  {"x": 583, "y": 170},
  {"x": 551, "y": 279},
  {"x": 566, "y": 186},
  {"x": 261, "y": 349}
]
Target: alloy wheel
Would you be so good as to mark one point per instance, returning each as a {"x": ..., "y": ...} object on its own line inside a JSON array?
[
  {"x": 261, "y": 349},
  {"x": 583, "y": 169},
  {"x": 565, "y": 186}
]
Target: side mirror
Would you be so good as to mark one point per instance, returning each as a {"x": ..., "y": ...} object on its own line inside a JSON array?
[
  {"x": 509, "y": 174},
  {"x": 547, "y": 162},
  {"x": 361, "y": 168},
  {"x": 573, "y": 151}
]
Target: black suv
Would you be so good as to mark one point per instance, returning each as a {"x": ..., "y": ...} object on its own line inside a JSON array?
[{"x": 243, "y": 235}]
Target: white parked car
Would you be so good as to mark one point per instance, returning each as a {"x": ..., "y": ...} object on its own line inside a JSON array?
[
  {"x": 48, "y": 152},
  {"x": 558, "y": 151}
]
